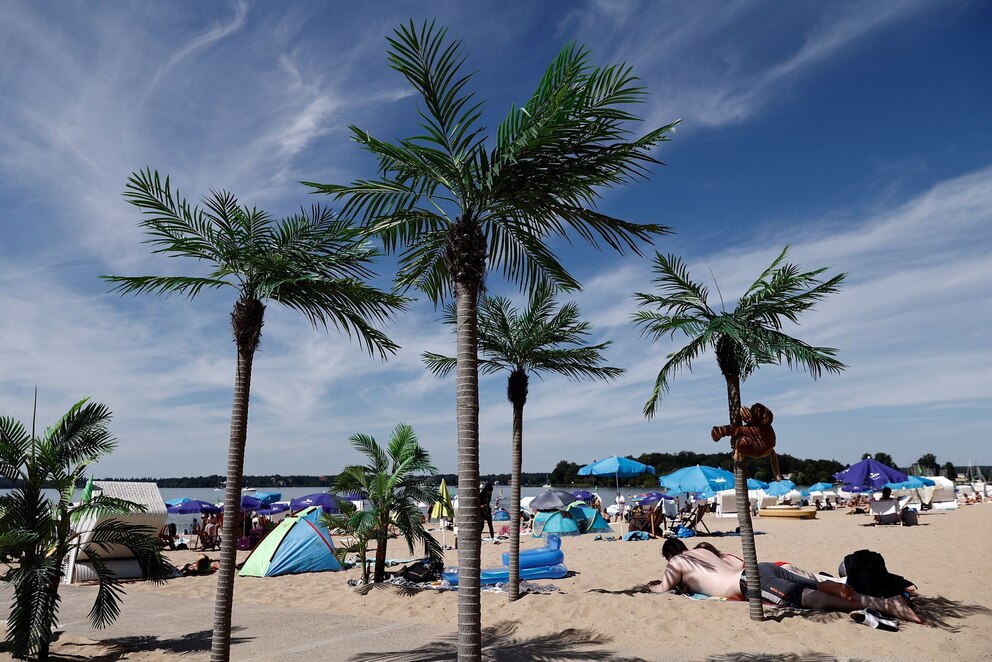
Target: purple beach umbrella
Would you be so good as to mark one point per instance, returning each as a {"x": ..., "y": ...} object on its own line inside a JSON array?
[
  {"x": 330, "y": 503},
  {"x": 186, "y": 506},
  {"x": 870, "y": 473}
]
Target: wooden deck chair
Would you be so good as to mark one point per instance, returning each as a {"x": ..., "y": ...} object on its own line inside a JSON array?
[{"x": 694, "y": 518}]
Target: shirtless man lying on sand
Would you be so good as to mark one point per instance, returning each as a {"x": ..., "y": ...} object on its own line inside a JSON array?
[{"x": 701, "y": 571}]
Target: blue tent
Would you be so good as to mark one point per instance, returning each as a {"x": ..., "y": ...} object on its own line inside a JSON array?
[
  {"x": 594, "y": 522},
  {"x": 501, "y": 515},
  {"x": 299, "y": 544},
  {"x": 555, "y": 521}
]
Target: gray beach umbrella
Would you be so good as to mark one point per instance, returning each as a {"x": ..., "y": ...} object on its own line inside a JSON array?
[{"x": 553, "y": 500}]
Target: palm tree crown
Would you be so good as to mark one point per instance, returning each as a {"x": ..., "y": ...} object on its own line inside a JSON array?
[
  {"x": 748, "y": 336},
  {"x": 452, "y": 201},
  {"x": 539, "y": 339},
  {"x": 311, "y": 262}
]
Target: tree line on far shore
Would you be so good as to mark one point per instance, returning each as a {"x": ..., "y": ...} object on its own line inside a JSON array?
[{"x": 803, "y": 471}]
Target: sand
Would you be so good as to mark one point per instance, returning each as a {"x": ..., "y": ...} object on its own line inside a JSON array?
[{"x": 599, "y": 614}]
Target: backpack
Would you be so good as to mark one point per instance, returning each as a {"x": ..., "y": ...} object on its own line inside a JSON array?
[
  {"x": 867, "y": 574},
  {"x": 421, "y": 571}
]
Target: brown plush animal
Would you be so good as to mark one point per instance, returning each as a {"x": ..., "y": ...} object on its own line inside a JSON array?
[{"x": 755, "y": 438}]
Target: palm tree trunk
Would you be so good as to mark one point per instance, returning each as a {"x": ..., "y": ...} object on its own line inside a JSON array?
[
  {"x": 515, "y": 471},
  {"x": 744, "y": 510},
  {"x": 469, "y": 521},
  {"x": 246, "y": 322},
  {"x": 380, "y": 560}
]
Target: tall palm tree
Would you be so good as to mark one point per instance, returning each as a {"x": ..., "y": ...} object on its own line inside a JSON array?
[
  {"x": 743, "y": 339},
  {"x": 394, "y": 482},
  {"x": 310, "y": 262},
  {"x": 537, "y": 340},
  {"x": 454, "y": 208},
  {"x": 39, "y": 532}
]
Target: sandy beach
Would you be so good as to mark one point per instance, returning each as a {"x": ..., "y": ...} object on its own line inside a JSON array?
[{"x": 599, "y": 612}]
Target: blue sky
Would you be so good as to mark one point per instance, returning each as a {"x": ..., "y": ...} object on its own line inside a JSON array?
[{"x": 856, "y": 132}]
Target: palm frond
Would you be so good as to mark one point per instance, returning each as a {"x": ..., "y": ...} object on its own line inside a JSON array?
[{"x": 675, "y": 363}]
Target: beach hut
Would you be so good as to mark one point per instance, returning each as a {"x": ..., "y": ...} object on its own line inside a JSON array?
[
  {"x": 299, "y": 544},
  {"x": 79, "y": 568}
]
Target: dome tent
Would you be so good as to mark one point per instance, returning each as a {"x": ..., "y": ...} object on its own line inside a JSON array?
[{"x": 299, "y": 544}]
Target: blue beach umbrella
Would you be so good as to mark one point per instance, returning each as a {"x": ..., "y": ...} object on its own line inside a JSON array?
[
  {"x": 250, "y": 503},
  {"x": 912, "y": 483},
  {"x": 702, "y": 479},
  {"x": 619, "y": 467},
  {"x": 780, "y": 488},
  {"x": 870, "y": 473},
  {"x": 268, "y": 497},
  {"x": 755, "y": 484},
  {"x": 819, "y": 487}
]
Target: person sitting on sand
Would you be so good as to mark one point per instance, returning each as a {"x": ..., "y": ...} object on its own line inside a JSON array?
[
  {"x": 702, "y": 571},
  {"x": 202, "y": 566},
  {"x": 886, "y": 498}
]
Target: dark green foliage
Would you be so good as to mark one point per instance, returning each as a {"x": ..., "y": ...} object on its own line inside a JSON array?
[
  {"x": 38, "y": 531},
  {"x": 394, "y": 481}
]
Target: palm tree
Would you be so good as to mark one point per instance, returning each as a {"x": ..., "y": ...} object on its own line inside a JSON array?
[
  {"x": 394, "y": 482},
  {"x": 743, "y": 339},
  {"x": 453, "y": 208},
  {"x": 310, "y": 262},
  {"x": 538, "y": 340},
  {"x": 38, "y": 532}
]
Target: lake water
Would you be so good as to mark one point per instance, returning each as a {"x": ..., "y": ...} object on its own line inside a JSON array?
[{"x": 289, "y": 493}]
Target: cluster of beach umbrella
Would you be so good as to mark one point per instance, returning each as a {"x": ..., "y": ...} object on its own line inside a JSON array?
[{"x": 263, "y": 503}]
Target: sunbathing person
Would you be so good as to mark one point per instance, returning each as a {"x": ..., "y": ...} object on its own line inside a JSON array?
[
  {"x": 702, "y": 571},
  {"x": 202, "y": 566}
]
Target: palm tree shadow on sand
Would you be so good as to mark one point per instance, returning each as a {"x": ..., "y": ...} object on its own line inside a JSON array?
[
  {"x": 784, "y": 657},
  {"x": 112, "y": 650},
  {"x": 501, "y": 643}
]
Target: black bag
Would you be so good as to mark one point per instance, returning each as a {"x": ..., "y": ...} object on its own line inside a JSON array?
[
  {"x": 421, "y": 571},
  {"x": 867, "y": 574}
]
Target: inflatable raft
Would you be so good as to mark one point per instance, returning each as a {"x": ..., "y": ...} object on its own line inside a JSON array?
[
  {"x": 790, "y": 512},
  {"x": 543, "y": 563}
]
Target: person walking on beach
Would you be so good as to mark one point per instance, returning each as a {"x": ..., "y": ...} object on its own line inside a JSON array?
[
  {"x": 701, "y": 571},
  {"x": 485, "y": 509}
]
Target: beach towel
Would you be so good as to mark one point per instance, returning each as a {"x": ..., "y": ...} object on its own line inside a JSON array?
[{"x": 637, "y": 535}]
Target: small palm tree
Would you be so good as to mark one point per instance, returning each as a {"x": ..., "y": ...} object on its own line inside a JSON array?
[
  {"x": 394, "y": 482},
  {"x": 310, "y": 262},
  {"x": 538, "y": 340},
  {"x": 745, "y": 338},
  {"x": 38, "y": 532},
  {"x": 358, "y": 543},
  {"x": 455, "y": 208}
]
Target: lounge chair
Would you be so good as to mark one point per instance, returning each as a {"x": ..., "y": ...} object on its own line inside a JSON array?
[
  {"x": 694, "y": 518},
  {"x": 887, "y": 511}
]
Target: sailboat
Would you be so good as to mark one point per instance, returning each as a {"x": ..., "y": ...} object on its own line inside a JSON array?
[{"x": 547, "y": 482}]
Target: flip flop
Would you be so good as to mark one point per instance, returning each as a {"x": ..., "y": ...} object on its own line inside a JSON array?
[{"x": 875, "y": 620}]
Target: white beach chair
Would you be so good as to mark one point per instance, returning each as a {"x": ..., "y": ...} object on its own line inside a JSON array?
[{"x": 887, "y": 511}]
